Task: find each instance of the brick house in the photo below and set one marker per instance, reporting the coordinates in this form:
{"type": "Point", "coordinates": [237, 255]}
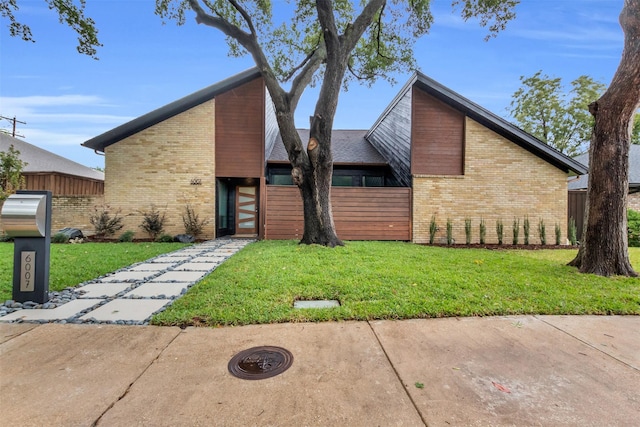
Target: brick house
{"type": "Point", "coordinates": [431, 152]}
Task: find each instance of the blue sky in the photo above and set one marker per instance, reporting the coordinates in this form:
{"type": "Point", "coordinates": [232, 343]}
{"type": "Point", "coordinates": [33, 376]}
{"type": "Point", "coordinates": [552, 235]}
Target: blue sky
{"type": "Point", "coordinates": [67, 98]}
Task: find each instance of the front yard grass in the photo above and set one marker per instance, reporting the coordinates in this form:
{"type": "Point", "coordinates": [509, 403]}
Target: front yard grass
{"type": "Point", "coordinates": [394, 280]}
{"type": "Point", "coordinates": [72, 264]}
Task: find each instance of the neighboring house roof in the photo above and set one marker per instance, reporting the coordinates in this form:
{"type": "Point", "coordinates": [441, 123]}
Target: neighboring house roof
{"type": "Point", "coordinates": [43, 161]}
{"type": "Point", "coordinates": [488, 119]}
{"type": "Point", "coordinates": [156, 116]}
{"type": "Point", "coordinates": [349, 147]}
{"type": "Point", "coordinates": [580, 183]}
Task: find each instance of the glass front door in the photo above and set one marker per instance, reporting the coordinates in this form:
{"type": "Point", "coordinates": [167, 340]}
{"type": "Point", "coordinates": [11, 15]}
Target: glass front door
{"type": "Point", "coordinates": [246, 210]}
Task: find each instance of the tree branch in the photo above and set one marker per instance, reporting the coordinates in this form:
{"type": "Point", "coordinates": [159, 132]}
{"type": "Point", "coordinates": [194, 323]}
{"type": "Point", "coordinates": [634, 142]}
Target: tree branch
{"type": "Point", "coordinates": [363, 21]}
{"type": "Point", "coordinates": [245, 16]}
{"type": "Point", "coordinates": [302, 80]}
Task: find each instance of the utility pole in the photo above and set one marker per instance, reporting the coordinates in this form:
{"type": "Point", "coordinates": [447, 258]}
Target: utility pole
{"type": "Point", "coordinates": [13, 122]}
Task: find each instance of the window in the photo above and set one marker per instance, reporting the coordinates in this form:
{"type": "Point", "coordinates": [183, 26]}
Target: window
{"type": "Point", "coordinates": [373, 181]}
{"type": "Point", "coordinates": [281, 179]}
{"type": "Point", "coordinates": [342, 181]}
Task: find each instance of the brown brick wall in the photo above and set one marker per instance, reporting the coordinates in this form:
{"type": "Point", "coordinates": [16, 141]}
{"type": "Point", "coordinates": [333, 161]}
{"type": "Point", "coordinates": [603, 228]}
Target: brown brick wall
{"type": "Point", "coordinates": [501, 181]}
{"type": "Point", "coordinates": [158, 166]}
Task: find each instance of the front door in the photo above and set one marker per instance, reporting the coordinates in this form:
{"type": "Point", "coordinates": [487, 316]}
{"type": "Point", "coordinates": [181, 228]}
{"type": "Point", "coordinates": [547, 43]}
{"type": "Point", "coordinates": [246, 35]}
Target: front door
{"type": "Point", "coordinates": [246, 210]}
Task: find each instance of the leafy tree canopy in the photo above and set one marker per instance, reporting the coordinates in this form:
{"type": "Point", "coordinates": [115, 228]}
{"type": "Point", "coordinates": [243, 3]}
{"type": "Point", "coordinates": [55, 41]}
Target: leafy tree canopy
{"type": "Point", "coordinates": [292, 37]}
{"type": "Point", "coordinates": [543, 107]}
{"type": "Point", "coordinates": [70, 12]}
{"type": "Point", "coordinates": [11, 167]}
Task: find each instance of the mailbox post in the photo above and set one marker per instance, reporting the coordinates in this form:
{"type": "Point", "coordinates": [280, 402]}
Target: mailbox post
{"type": "Point", "coordinates": [26, 216]}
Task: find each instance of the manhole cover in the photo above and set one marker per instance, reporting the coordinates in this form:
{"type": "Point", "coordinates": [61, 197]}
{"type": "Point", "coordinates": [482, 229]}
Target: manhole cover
{"type": "Point", "coordinates": [258, 363]}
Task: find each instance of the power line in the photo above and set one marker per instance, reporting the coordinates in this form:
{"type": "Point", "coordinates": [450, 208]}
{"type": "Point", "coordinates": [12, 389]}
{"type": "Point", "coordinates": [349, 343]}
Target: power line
{"type": "Point", "coordinates": [13, 122]}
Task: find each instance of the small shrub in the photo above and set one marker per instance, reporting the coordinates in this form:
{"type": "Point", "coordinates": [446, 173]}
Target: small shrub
{"type": "Point", "coordinates": [193, 225]}
{"type": "Point", "coordinates": [516, 230]}
{"type": "Point", "coordinates": [164, 238]}
{"type": "Point", "coordinates": [59, 238]}
{"type": "Point", "coordinates": [573, 232]}
{"type": "Point", "coordinates": [449, 231]}
{"type": "Point", "coordinates": [127, 236]}
{"type": "Point", "coordinates": [542, 232]}
{"type": "Point", "coordinates": [4, 237]}
{"type": "Point", "coordinates": [526, 227]}
{"type": "Point", "coordinates": [500, 231]}
{"type": "Point", "coordinates": [467, 230]}
{"type": "Point", "coordinates": [558, 235]}
{"type": "Point", "coordinates": [633, 228]}
{"type": "Point", "coordinates": [483, 231]}
{"type": "Point", "coordinates": [153, 222]}
{"type": "Point", "coordinates": [104, 223]}
{"type": "Point", "coordinates": [433, 229]}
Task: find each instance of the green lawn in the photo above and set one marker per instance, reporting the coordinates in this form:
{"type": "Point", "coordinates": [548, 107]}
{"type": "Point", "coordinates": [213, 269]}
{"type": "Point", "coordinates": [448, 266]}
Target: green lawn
{"type": "Point", "coordinates": [73, 264]}
{"type": "Point", "coordinates": [391, 280]}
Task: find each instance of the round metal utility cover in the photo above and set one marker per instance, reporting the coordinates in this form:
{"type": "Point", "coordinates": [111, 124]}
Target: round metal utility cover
{"type": "Point", "coordinates": [258, 363]}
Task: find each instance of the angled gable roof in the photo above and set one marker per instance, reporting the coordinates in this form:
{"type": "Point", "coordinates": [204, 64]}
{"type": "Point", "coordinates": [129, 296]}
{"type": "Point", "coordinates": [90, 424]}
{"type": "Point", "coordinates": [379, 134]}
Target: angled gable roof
{"type": "Point", "coordinates": [156, 116]}
{"type": "Point", "coordinates": [42, 161]}
{"type": "Point", "coordinates": [487, 119]}
{"type": "Point", "coordinates": [348, 147]}
{"type": "Point", "coordinates": [580, 183]}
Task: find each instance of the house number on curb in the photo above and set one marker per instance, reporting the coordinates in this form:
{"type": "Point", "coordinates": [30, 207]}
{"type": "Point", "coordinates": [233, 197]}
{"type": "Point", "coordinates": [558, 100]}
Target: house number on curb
{"type": "Point", "coordinates": [27, 271]}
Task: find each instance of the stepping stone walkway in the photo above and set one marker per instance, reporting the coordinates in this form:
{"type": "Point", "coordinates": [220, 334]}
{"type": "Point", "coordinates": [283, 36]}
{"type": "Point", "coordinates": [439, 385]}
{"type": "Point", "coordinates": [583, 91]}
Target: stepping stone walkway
{"type": "Point", "coordinates": [130, 296]}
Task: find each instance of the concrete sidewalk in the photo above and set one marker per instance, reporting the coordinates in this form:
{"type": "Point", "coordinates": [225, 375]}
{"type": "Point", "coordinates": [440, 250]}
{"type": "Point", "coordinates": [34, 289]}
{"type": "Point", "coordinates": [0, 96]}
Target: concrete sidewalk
{"type": "Point", "coordinates": [525, 370]}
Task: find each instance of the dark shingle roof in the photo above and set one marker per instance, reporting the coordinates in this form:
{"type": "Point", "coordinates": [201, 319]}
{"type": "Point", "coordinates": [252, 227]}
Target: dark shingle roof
{"type": "Point", "coordinates": [347, 146]}
{"type": "Point", "coordinates": [39, 160]}
{"type": "Point", "coordinates": [580, 183]}
{"type": "Point", "coordinates": [488, 119]}
{"type": "Point", "coordinates": [143, 122]}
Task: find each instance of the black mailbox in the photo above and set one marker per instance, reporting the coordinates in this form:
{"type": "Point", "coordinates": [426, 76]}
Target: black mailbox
{"type": "Point", "coordinates": [26, 216]}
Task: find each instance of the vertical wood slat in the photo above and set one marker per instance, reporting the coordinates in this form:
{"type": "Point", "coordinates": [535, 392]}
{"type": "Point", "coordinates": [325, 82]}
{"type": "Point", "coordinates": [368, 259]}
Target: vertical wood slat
{"type": "Point", "coordinates": [63, 185]}
{"type": "Point", "coordinates": [576, 209]}
{"type": "Point", "coordinates": [437, 137]}
{"type": "Point", "coordinates": [240, 131]}
{"type": "Point", "coordinates": [360, 213]}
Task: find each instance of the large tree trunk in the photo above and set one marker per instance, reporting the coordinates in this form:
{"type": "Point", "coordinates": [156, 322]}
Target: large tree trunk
{"type": "Point", "coordinates": [312, 172]}
{"type": "Point", "coordinates": [604, 247]}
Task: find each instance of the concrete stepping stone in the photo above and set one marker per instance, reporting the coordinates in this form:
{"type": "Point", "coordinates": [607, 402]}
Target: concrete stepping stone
{"type": "Point", "coordinates": [170, 258]}
{"type": "Point", "coordinates": [153, 289]}
{"type": "Point", "coordinates": [197, 266]}
{"type": "Point", "coordinates": [65, 311]}
{"type": "Point", "coordinates": [180, 276]}
{"type": "Point", "coordinates": [153, 266]}
{"type": "Point", "coordinates": [135, 310]}
{"type": "Point", "coordinates": [103, 290]}
{"type": "Point", "coordinates": [128, 276]}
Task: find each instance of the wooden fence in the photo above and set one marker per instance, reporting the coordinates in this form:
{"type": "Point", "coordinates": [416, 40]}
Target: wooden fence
{"type": "Point", "coordinates": [359, 213]}
{"type": "Point", "coordinates": [576, 209]}
{"type": "Point", "coordinates": [63, 185]}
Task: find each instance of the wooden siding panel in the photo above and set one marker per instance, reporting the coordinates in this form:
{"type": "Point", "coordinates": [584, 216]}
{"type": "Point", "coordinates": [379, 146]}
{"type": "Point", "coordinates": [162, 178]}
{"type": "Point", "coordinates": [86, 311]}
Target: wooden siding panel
{"type": "Point", "coordinates": [240, 131]}
{"type": "Point", "coordinates": [438, 137]}
{"type": "Point", "coordinates": [63, 185]}
{"type": "Point", "coordinates": [392, 138]}
{"type": "Point", "coordinates": [359, 213]}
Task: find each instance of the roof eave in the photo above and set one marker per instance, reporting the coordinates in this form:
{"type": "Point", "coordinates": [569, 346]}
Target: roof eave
{"type": "Point", "coordinates": [100, 142]}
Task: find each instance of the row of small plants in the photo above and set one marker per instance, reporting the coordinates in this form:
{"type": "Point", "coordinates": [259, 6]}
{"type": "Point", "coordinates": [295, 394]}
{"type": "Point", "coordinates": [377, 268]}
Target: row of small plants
{"type": "Point", "coordinates": [499, 228]}
{"type": "Point", "coordinates": [107, 223]}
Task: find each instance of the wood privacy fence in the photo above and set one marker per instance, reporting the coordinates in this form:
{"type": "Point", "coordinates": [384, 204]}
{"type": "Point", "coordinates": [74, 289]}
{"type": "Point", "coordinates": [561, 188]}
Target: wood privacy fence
{"type": "Point", "coordinates": [359, 213]}
{"type": "Point", "coordinates": [63, 185]}
{"type": "Point", "coordinates": [577, 207]}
